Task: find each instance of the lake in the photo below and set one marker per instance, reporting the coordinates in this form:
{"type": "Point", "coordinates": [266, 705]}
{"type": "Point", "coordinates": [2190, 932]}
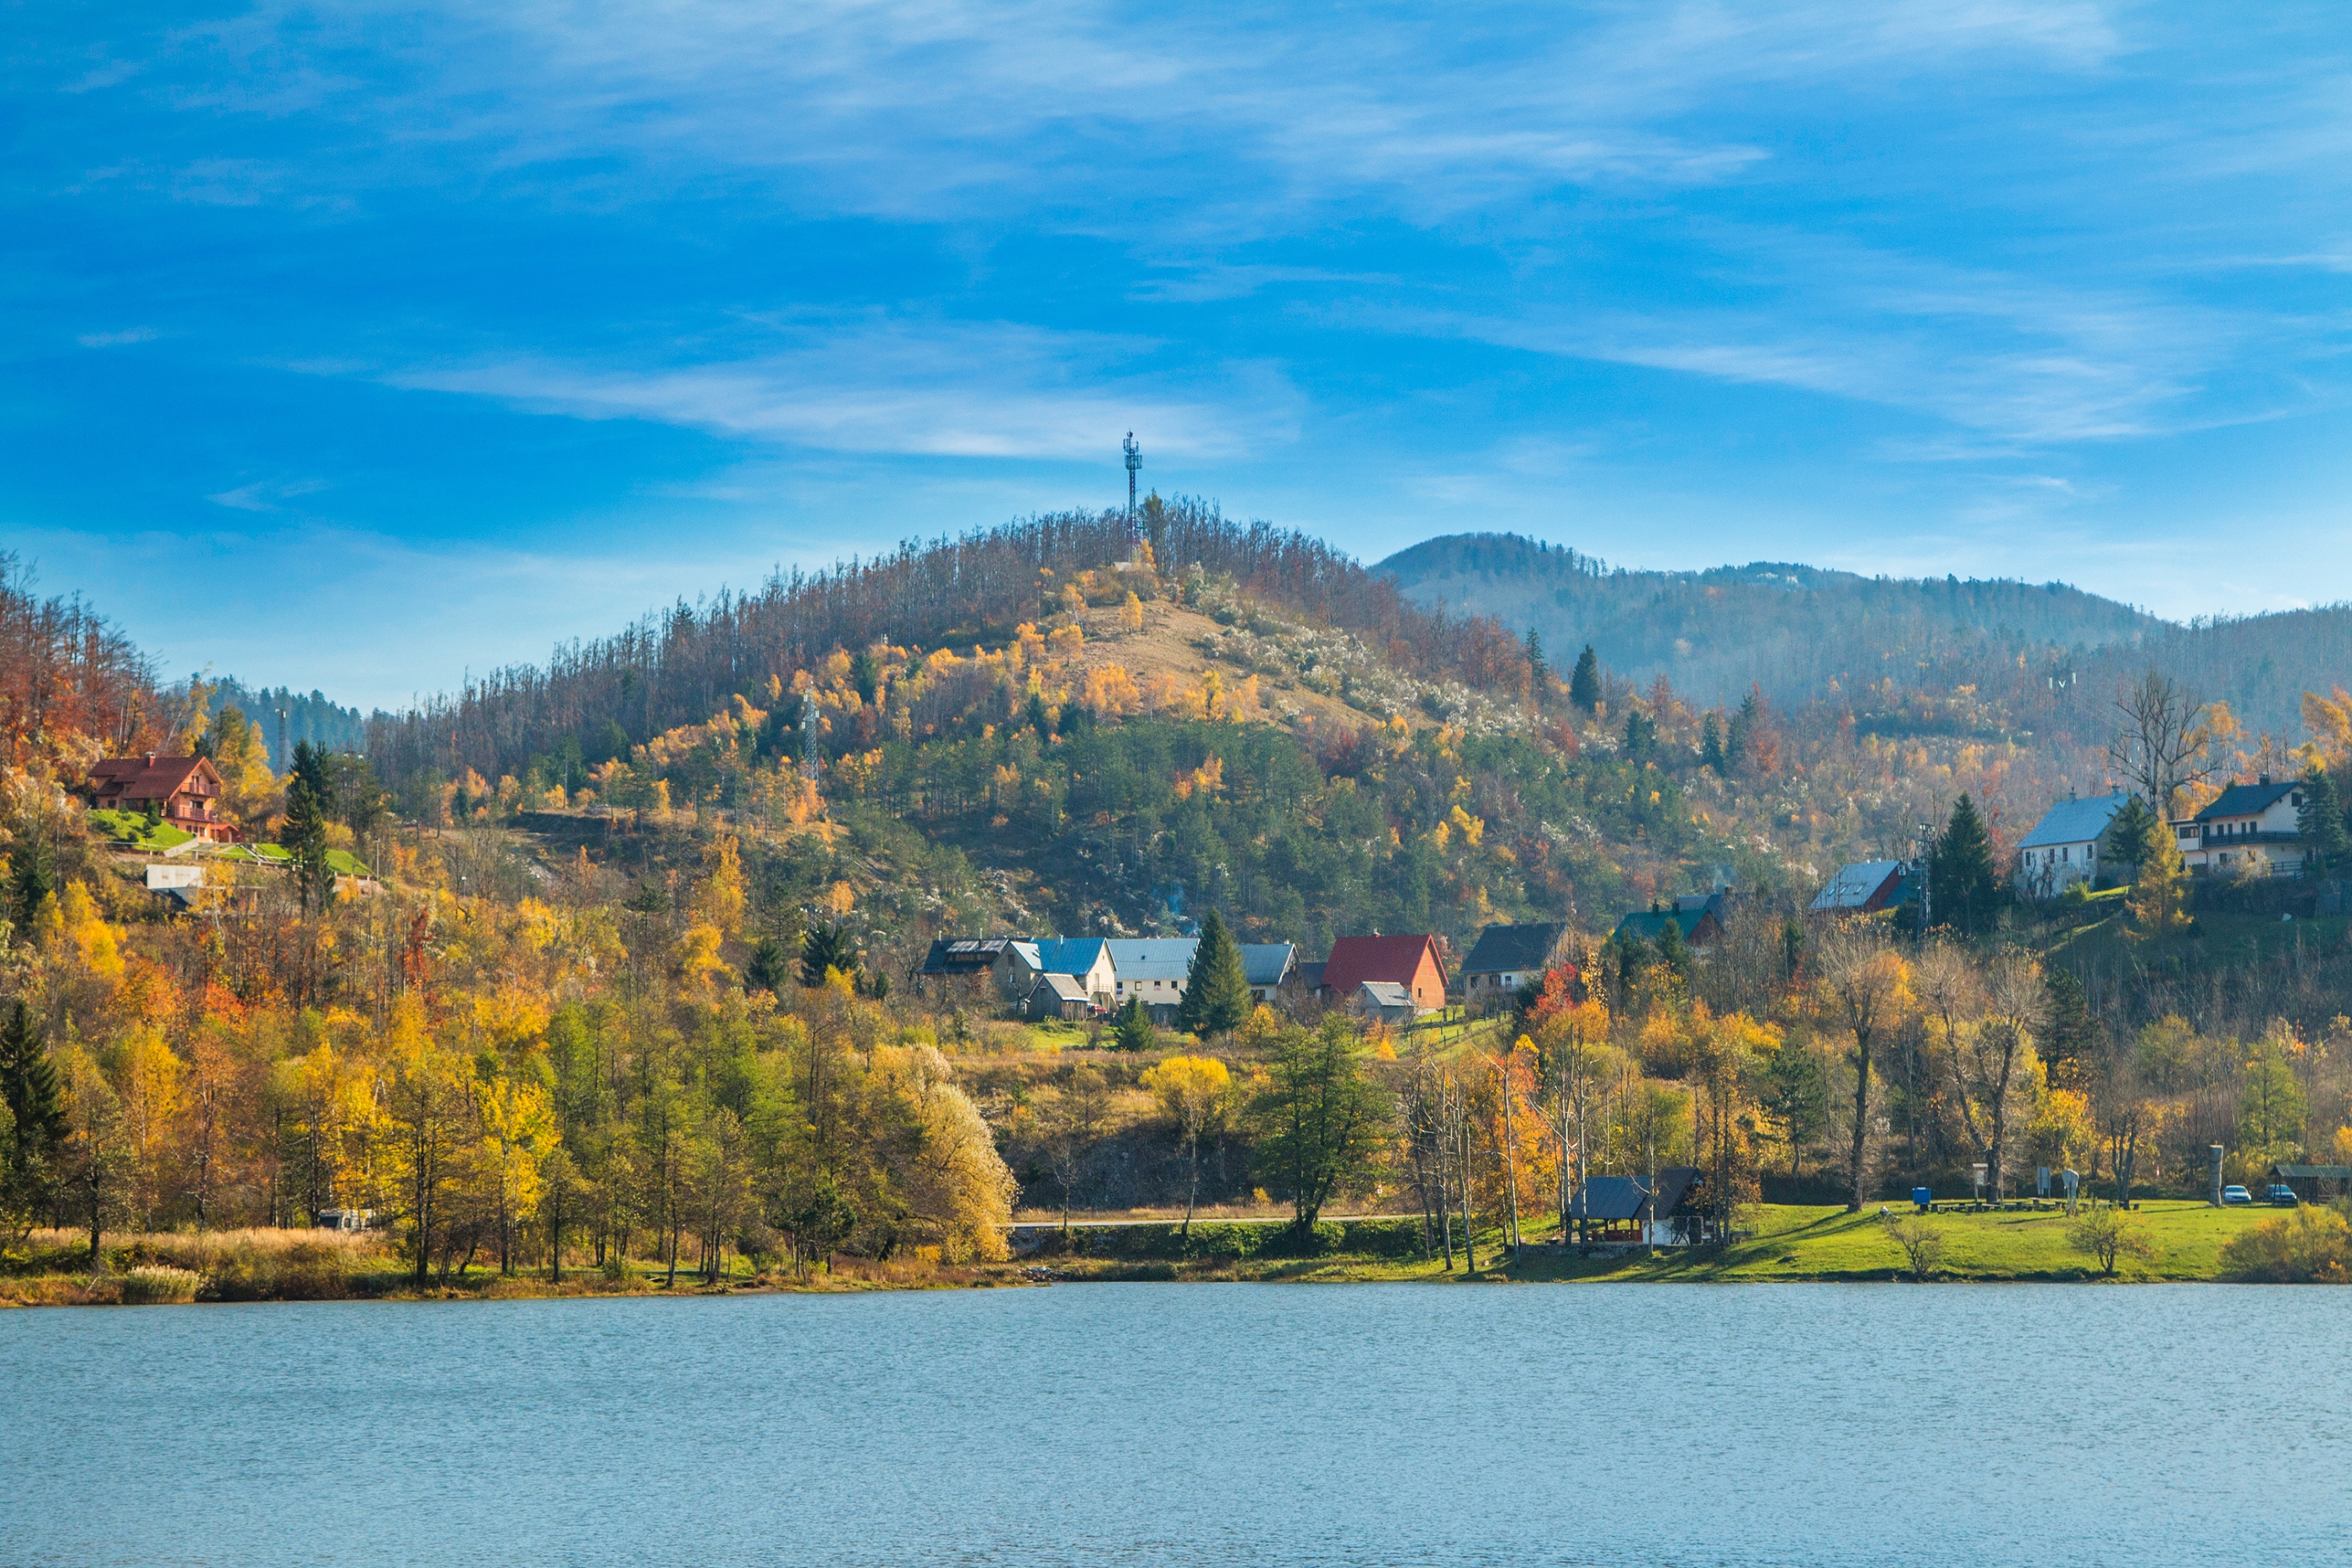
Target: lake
{"type": "Point", "coordinates": [1192, 1424]}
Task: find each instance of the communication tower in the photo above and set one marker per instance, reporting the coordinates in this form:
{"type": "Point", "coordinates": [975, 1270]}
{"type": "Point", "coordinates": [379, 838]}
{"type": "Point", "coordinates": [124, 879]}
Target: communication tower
{"type": "Point", "coordinates": [808, 735]}
{"type": "Point", "coordinates": [1134, 464]}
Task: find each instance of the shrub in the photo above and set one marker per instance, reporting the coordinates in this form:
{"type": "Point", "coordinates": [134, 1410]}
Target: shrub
{"type": "Point", "coordinates": [2107, 1233]}
{"type": "Point", "coordinates": [154, 1284]}
{"type": "Point", "coordinates": [2311, 1247]}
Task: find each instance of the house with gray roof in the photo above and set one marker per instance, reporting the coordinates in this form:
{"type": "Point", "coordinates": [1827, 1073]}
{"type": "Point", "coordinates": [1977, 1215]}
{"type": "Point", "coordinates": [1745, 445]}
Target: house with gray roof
{"type": "Point", "coordinates": [1268, 966]}
{"type": "Point", "coordinates": [2265, 818]}
{"type": "Point", "coordinates": [1154, 968]}
{"type": "Point", "coordinates": [2069, 844]}
{"type": "Point", "coordinates": [1864, 887]}
{"type": "Point", "coordinates": [1508, 957]}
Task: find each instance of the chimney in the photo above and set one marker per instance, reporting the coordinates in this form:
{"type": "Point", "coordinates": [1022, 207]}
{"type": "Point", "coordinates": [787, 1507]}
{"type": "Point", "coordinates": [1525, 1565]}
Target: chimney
{"type": "Point", "coordinates": [151, 759]}
{"type": "Point", "coordinates": [2262, 778]}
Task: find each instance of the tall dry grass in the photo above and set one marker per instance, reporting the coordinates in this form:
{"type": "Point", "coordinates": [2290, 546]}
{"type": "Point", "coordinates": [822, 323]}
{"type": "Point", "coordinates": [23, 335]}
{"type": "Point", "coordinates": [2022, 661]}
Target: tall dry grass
{"type": "Point", "coordinates": [251, 1265]}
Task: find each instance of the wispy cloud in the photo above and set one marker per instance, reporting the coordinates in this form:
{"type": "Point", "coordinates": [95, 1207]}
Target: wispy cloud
{"type": "Point", "coordinates": [954, 390]}
{"type": "Point", "coordinates": [117, 339]}
{"type": "Point", "coordinates": [268, 495]}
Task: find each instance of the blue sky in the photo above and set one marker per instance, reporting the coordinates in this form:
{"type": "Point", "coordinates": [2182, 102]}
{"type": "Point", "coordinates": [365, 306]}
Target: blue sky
{"type": "Point", "coordinates": [359, 348]}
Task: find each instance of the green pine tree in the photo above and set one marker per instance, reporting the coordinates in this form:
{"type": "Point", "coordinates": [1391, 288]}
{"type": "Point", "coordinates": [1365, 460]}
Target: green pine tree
{"type": "Point", "coordinates": [1216, 992]}
{"type": "Point", "coordinates": [36, 1127]}
{"type": "Point", "coordinates": [2131, 837]}
{"type": "Point", "coordinates": [309, 799]}
{"type": "Point", "coordinates": [1710, 743]}
{"type": "Point", "coordinates": [1584, 682]}
{"type": "Point", "coordinates": [1536, 668]}
{"type": "Point", "coordinates": [2327, 844]}
{"type": "Point", "coordinates": [768, 967]}
{"type": "Point", "coordinates": [826, 947]}
{"type": "Point", "coordinates": [1965, 883]}
{"type": "Point", "coordinates": [1130, 1029]}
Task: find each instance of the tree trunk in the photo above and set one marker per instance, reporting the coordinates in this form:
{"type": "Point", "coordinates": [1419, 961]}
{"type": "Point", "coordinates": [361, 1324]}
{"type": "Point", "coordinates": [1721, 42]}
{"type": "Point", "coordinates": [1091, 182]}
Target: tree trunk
{"type": "Point", "coordinates": [1192, 1192]}
{"type": "Point", "coordinates": [1469, 1237]}
{"type": "Point", "coordinates": [1861, 1121]}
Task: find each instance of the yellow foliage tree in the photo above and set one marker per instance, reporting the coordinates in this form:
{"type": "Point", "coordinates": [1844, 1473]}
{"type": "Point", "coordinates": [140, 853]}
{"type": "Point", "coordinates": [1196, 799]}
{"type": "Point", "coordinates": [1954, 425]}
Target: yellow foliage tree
{"type": "Point", "coordinates": [720, 901]}
{"type": "Point", "coordinates": [2155, 901]}
{"type": "Point", "coordinates": [1197, 1093]}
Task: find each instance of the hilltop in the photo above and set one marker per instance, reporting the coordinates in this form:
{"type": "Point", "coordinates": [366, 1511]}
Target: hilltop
{"type": "Point", "coordinates": [2050, 654]}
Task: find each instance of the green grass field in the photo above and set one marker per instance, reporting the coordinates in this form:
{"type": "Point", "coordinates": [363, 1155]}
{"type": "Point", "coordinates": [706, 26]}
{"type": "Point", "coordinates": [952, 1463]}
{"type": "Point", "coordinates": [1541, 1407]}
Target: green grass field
{"type": "Point", "coordinates": [1790, 1243]}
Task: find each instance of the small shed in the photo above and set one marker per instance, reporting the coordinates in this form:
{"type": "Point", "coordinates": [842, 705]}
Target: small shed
{"type": "Point", "coordinates": [1386, 1002]}
{"type": "Point", "coordinates": [1619, 1208]}
{"type": "Point", "coordinates": [2314, 1184]}
{"type": "Point", "coordinates": [1057, 997]}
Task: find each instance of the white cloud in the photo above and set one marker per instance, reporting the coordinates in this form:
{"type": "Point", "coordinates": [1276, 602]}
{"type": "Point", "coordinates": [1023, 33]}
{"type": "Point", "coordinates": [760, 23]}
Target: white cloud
{"type": "Point", "coordinates": [117, 339]}
{"type": "Point", "coordinates": [268, 495]}
{"type": "Point", "coordinates": [956, 390]}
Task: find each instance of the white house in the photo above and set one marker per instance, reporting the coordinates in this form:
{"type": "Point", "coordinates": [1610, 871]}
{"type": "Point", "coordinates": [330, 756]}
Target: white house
{"type": "Point", "coordinates": [1154, 968]}
{"type": "Point", "coordinates": [2064, 846]}
{"type": "Point", "coordinates": [1086, 960]}
{"type": "Point", "coordinates": [2264, 816]}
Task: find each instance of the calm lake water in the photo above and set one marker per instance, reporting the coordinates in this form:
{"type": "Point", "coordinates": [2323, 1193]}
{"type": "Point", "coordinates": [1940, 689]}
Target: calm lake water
{"type": "Point", "coordinates": [1195, 1424]}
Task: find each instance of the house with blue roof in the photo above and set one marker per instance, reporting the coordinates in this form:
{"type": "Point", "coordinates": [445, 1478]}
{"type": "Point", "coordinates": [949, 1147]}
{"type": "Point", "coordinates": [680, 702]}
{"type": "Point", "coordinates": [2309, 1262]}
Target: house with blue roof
{"type": "Point", "coordinates": [1087, 961]}
{"type": "Point", "coordinates": [2067, 845]}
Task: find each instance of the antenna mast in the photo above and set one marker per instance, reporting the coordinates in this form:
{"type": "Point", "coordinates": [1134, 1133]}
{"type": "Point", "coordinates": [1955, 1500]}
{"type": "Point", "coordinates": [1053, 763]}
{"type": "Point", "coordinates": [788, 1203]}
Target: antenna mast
{"type": "Point", "coordinates": [808, 735]}
{"type": "Point", "coordinates": [1134, 462]}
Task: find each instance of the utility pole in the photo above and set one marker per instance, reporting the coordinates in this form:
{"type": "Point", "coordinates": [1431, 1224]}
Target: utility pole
{"type": "Point", "coordinates": [1926, 887]}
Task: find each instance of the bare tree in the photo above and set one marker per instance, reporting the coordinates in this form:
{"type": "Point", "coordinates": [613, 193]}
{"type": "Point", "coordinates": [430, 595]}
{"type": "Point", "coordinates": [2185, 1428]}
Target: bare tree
{"type": "Point", "coordinates": [1866, 989]}
{"type": "Point", "coordinates": [1990, 1054]}
{"type": "Point", "coordinates": [2161, 738]}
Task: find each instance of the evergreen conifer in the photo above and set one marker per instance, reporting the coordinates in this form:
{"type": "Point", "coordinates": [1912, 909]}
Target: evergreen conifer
{"type": "Point", "coordinates": [2327, 843]}
{"type": "Point", "coordinates": [2131, 837]}
{"type": "Point", "coordinates": [1131, 1028]}
{"type": "Point", "coordinates": [28, 1084]}
{"type": "Point", "coordinates": [1710, 743]}
{"type": "Point", "coordinates": [1536, 668]}
{"type": "Point", "coordinates": [1964, 881]}
{"type": "Point", "coordinates": [1216, 992]}
{"type": "Point", "coordinates": [309, 794]}
{"type": "Point", "coordinates": [1584, 682]}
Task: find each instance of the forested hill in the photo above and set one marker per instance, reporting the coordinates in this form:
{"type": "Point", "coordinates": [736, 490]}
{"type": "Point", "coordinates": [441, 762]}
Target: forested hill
{"type": "Point", "coordinates": [1791, 628]}
{"type": "Point", "coordinates": [682, 666]}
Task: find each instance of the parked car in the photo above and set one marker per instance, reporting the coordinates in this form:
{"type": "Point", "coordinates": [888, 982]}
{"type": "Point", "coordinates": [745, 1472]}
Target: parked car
{"type": "Point", "coordinates": [2232, 1196]}
{"type": "Point", "coordinates": [2280, 1196]}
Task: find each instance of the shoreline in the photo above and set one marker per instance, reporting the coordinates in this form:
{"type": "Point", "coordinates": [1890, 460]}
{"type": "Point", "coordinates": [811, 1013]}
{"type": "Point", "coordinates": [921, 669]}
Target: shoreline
{"type": "Point", "coordinates": [1787, 1245]}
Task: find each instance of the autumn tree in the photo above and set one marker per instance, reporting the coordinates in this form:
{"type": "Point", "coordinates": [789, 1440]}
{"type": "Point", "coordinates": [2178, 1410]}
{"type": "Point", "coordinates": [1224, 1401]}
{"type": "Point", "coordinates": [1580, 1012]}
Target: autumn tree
{"type": "Point", "coordinates": [2162, 736]}
{"type": "Point", "coordinates": [2156, 900]}
{"type": "Point", "coordinates": [1865, 987]}
{"type": "Point", "coordinates": [1195, 1093]}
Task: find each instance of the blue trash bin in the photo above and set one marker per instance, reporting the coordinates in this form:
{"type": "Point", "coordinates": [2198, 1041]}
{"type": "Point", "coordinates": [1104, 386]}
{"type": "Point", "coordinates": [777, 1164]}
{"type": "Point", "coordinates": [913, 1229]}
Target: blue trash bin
{"type": "Point", "coordinates": [1923, 1197]}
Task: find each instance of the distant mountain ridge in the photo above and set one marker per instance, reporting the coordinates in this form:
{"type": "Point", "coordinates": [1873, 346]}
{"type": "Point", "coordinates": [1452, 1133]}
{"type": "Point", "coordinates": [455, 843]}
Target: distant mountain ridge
{"type": "Point", "coordinates": [1791, 628]}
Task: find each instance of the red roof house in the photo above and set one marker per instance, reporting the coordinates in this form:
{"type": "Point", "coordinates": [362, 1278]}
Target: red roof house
{"type": "Point", "coordinates": [183, 791]}
{"type": "Point", "coordinates": [1408, 960]}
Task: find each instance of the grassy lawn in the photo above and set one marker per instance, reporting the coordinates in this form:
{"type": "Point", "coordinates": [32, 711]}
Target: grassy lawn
{"type": "Point", "coordinates": [132, 828]}
{"type": "Point", "coordinates": [1790, 1243]}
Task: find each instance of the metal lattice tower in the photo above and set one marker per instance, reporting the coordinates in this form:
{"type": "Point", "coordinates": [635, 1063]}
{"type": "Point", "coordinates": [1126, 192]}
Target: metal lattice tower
{"type": "Point", "coordinates": [808, 736]}
{"type": "Point", "coordinates": [1134, 463]}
